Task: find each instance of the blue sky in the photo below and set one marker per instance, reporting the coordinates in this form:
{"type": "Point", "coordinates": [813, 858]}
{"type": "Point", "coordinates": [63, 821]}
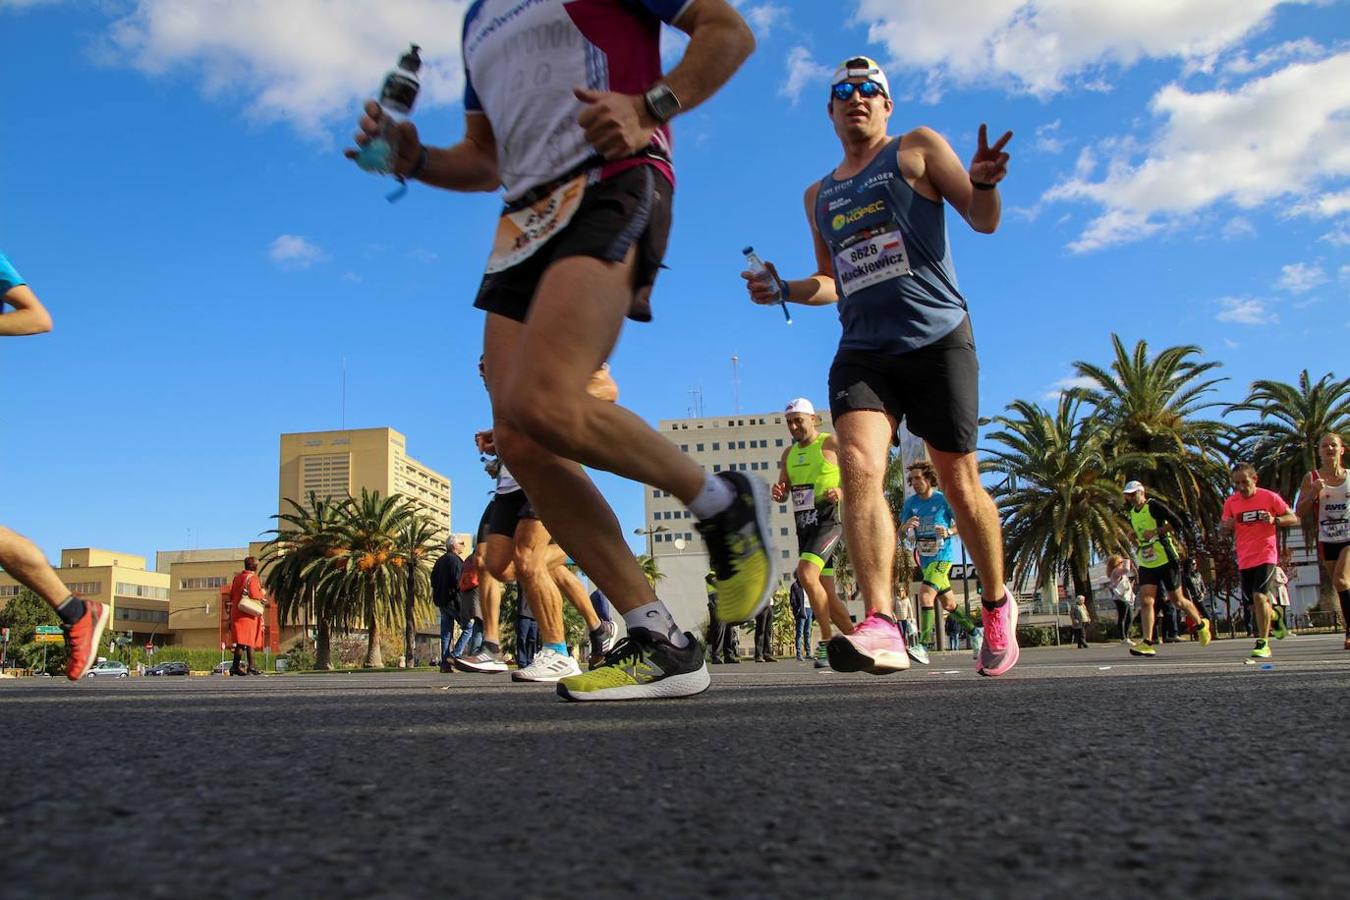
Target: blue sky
{"type": "Point", "coordinates": [172, 185]}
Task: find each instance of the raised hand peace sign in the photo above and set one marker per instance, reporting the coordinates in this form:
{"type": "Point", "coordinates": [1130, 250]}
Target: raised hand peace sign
{"type": "Point", "coordinates": [990, 164]}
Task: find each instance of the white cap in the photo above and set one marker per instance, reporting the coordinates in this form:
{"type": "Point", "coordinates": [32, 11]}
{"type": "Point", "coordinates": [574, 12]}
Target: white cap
{"type": "Point", "coordinates": [1132, 487]}
{"type": "Point", "coordinates": [801, 405]}
{"type": "Point", "coordinates": [863, 67]}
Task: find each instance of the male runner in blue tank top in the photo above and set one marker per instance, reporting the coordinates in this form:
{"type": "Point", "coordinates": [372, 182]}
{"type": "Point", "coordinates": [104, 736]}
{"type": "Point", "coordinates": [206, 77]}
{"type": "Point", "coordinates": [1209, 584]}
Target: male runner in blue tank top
{"type": "Point", "coordinates": [907, 351]}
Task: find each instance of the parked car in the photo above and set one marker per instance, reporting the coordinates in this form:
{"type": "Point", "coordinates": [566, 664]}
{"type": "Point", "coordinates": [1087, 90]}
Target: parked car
{"type": "Point", "coordinates": [173, 667]}
{"type": "Point", "coordinates": [222, 667]}
{"type": "Point", "coordinates": [108, 669]}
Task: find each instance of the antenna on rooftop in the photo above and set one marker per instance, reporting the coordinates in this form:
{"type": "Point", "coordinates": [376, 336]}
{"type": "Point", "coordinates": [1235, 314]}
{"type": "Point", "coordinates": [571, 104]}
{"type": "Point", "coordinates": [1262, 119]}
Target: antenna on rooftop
{"type": "Point", "coordinates": [696, 402]}
{"type": "Point", "coordinates": [736, 381]}
{"type": "Point", "coordinates": [344, 393]}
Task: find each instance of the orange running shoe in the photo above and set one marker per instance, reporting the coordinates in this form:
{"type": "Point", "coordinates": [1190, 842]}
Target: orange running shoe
{"type": "Point", "coordinates": [82, 639]}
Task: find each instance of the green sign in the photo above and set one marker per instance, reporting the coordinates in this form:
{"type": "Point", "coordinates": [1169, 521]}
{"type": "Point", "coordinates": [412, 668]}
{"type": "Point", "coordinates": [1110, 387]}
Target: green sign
{"type": "Point", "coordinates": [47, 629]}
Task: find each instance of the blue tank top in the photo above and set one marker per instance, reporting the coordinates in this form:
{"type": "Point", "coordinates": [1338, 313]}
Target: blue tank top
{"type": "Point", "coordinates": [892, 262]}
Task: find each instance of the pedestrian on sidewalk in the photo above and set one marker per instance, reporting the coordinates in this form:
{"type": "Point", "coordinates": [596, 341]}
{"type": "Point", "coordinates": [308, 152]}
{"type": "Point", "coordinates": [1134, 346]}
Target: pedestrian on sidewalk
{"type": "Point", "coordinates": [1078, 618]}
{"type": "Point", "coordinates": [764, 634]}
{"type": "Point", "coordinates": [802, 619]}
{"type": "Point", "coordinates": [1120, 579]}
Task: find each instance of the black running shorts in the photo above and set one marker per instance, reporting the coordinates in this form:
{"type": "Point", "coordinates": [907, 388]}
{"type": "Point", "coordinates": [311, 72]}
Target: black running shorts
{"type": "Point", "coordinates": [1167, 577]}
{"type": "Point", "coordinates": [627, 209]}
{"type": "Point", "coordinates": [507, 511]}
{"type": "Point", "coordinates": [483, 523]}
{"type": "Point", "coordinates": [1332, 552]}
{"type": "Point", "coordinates": [935, 389]}
{"type": "Point", "coordinates": [1257, 580]}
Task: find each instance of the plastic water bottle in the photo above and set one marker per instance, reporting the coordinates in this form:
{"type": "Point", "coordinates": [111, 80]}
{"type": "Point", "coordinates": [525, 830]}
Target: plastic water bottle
{"type": "Point", "coordinates": [909, 542]}
{"type": "Point", "coordinates": [396, 102]}
{"type": "Point", "coordinates": [757, 267]}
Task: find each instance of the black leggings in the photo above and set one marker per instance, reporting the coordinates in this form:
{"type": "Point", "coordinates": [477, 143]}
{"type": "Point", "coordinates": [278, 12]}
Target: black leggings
{"type": "Point", "coordinates": [1124, 616]}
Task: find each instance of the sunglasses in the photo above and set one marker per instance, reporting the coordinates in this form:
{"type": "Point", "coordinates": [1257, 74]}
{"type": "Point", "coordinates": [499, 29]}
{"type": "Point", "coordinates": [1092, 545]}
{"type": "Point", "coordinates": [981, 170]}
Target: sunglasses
{"type": "Point", "coordinates": [868, 89]}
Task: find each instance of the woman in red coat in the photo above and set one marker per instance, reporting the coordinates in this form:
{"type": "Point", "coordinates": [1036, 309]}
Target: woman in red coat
{"type": "Point", "coordinates": [246, 631]}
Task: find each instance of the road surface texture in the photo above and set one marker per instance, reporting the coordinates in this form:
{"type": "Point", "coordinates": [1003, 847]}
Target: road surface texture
{"type": "Point", "coordinates": [1191, 775]}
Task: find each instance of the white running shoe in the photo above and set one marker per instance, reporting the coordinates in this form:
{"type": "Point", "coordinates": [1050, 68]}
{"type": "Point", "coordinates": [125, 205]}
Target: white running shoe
{"type": "Point", "coordinates": [548, 666]}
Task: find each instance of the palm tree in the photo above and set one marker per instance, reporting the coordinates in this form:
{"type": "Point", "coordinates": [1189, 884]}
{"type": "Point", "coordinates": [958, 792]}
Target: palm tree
{"type": "Point", "coordinates": [1291, 419]}
{"type": "Point", "coordinates": [294, 562]}
{"type": "Point", "coordinates": [1149, 411]}
{"type": "Point", "coordinates": [419, 542]}
{"type": "Point", "coordinates": [1059, 499]}
{"type": "Point", "coordinates": [651, 569]}
{"type": "Point", "coordinates": [363, 574]}
{"type": "Point", "coordinates": [1282, 442]}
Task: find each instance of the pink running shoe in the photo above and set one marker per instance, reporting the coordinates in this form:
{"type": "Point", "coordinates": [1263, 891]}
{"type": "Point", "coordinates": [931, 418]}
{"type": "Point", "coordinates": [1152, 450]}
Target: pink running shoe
{"type": "Point", "coordinates": [875, 646]}
{"type": "Point", "coordinates": [999, 652]}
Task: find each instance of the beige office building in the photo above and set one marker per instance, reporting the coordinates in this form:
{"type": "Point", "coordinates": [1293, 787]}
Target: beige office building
{"type": "Point", "coordinates": [138, 599]}
{"type": "Point", "coordinates": [751, 443]}
{"type": "Point", "coordinates": [338, 463]}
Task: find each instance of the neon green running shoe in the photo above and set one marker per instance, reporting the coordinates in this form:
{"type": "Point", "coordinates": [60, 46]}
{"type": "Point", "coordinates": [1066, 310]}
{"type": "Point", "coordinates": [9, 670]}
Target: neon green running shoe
{"type": "Point", "coordinates": [1261, 650]}
{"type": "Point", "coordinates": [740, 550]}
{"type": "Point", "coordinates": [1203, 633]}
{"type": "Point", "coordinates": [1278, 630]}
{"type": "Point", "coordinates": [643, 666]}
{"type": "Point", "coordinates": [1143, 648]}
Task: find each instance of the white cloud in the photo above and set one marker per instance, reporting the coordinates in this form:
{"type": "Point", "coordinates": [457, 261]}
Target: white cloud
{"type": "Point", "coordinates": [293, 251]}
{"type": "Point", "coordinates": [1299, 278]}
{"type": "Point", "coordinates": [803, 70]}
{"type": "Point", "coordinates": [1245, 311]}
{"type": "Point", "coordinates": [24, 4]}
{"type": "Point", "coordinates": [1048, 139]}
{"type": "Point", "coordinates": [1040, 46]}
{"type": "Point", "coordinates": [1066, 384]}
{"type": "Point", "coordinates": [1236, 228]}
{"type": "Point", "coordinates": [1285, 134]}
{"type": "Point", "coordinates": [1323, 206]}
{"type": "Point", "coordinates": [1231, 344]}
{"type": "Point", "coordinates": [307, 62]}
{"type": "Point", "coordinates": [763, 17]}
{"type": "Point", "coordinates": [673, 42]}
{"type": "Point", "coordinates": [1344, 273]}
{"type": "Point", "coordinates": [1242, 64]}
{"type": "Point", "coordinates": [1338, 237]}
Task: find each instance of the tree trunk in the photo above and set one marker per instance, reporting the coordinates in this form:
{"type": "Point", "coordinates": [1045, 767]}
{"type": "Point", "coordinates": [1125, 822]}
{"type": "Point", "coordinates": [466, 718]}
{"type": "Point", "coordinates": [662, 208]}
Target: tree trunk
{"type": "Point", "coordinates": [374, 657]}
{"type": "Point", "coordinates": [408, 636]}
{"type": "Point", "coordinates": [323, 645]}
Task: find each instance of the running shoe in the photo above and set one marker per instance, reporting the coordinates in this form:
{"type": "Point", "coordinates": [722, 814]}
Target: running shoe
{"type": "Point", "coordinates": [1204, 633]}
{"type": "Point", "coordinates": [548, 666]}
{"type": "Point", "coordinates": [603, 640]}
{"type": "Point", "coordinates": [1261, 650]}
{"type": "Point", "coordinates": [1143, 648]}
{"type": "Point", "coordinates": [999, 652]}
{"type": "Point", "coordinates": [822, 660]}
{"type": "Point", "coordinates": [919, 653]}
{"type": "Point", "coordinates": [82, 639]}
{"type": "Point", "coordinates": [1347, 642]}
{"type": "Point", "coordinates": [644, 666]}
{"type": "Point", "coordinates": [875, 646]}
{"type": "Point", "coordinates": [740, 550]}
{"type": "Point", "coordinates": [483, 661]}
{"type": "Point", "coordinates": [1278, 630]}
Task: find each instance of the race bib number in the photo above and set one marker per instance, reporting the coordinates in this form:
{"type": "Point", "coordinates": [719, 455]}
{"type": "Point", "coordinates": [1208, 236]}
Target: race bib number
{"type": "Point", "coordinates": [521, 232]}
{"type": "Point", "coordinates": [928, 546]}
{"type": "Point", "coordinates": [1150, 553]}
{"type": "Point", "coordinates": [803, 498]}
{"type": "Point", "coordinates": [871, 260]}
{"type": "Point", "coordinates": [1335, 531]}
{"type": "Point", "coordinates": [1251, 515]}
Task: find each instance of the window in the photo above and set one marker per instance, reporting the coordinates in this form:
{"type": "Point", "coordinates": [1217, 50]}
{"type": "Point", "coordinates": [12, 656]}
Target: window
{"type": "Point", "coordinates": [86, 588]}
{"type": "Point", "coordinates": [717, 467]}
{"type": "Point", "coordinates": [778, 443]}
{"type": "Point", "coordinates": [782, 507]}
{"type": "Point", "coordinates": [783, 532]}
{"type": "Point", "coordinates": [656, 493]}
{"type": "Point", "coordinates": [698, 447]}
{"type": "Point", "coordinates": [199, 584]}
{"type": "Point", "coordinates": [785, 554]}
{"type": "Point", "coordinates": [684, 448]}
{"type": "Point", "coordinates": [9, 590]}
{"type": "Point", "coordinates": [126, 589]}
{"type": "Point", "coordinates": [717, 445]}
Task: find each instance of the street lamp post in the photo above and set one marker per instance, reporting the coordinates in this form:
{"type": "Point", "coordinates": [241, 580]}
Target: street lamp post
{"type": "Point", "coordinates": [655, 529]}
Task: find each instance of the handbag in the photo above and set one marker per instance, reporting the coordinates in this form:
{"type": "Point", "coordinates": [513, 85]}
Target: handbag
{"type": "Point", "coordinates": [249, 606]}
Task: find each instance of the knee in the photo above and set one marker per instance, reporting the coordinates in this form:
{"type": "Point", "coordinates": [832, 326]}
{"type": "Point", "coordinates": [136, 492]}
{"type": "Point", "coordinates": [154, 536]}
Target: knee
{"type": "Point", "coordinates": [544, 413]}
{"type": "Point", "coordinates": [861, 468]}
{"type": "Point", "coordinates": [499, 564]}
{"type": "Point", "coordinates": [808, 575]}
{"type": "Point", "coordinates": [530, 563]}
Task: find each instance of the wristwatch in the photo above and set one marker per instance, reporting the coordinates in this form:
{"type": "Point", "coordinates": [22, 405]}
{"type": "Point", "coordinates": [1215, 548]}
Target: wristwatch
{"type": "Point", "coordinates": [662, 103]}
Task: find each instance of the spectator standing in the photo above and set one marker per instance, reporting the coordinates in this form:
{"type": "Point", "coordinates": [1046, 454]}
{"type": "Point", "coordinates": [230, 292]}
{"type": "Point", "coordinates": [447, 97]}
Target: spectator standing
{"type": "Point", "coordinates": [1078, 618]}
{"type": "Point", "coordinates": [1119, 575]}
{"type": "Point", "coordinates": [802, 618]}
{"type": "Point", "coordinates": [246, 628]}
{"type": "Point", "coordinates": [527, 632]}
{"type": "Point", "coordinates": [764, 633]}
{"type": "Point", "coordinates": [469, 618]}
{"type": "Point", "coordinates": [445, 575]}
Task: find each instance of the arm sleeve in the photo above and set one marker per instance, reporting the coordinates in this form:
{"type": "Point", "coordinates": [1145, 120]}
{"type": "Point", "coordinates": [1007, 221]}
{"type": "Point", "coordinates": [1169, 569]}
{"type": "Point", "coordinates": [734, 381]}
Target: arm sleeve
{"type": "Point", "coordinates": [1161, 514]}
{"type": "Point", "coordinates": [668, 11]}
{"type": "Point", "coordinates": [471, 102]}
{"type": "Point", "coordinates": [9, 276]}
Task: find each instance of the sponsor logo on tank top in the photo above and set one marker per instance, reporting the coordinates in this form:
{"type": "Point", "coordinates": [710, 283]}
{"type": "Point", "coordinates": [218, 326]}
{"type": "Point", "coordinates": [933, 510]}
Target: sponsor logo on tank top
{"type": "Point", "coordinates": [842, 220]}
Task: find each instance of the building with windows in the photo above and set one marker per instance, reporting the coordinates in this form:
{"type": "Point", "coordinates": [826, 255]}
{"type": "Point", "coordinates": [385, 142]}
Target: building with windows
{"type": "Point", "coordinates": [337, 463]}
{"type": "Point", "coordinates": [138, 599]}
{"type": "Point", "coordinates": [751, 443]}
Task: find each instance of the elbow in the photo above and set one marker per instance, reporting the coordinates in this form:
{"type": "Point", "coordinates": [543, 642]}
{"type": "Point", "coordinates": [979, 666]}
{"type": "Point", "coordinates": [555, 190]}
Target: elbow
{"type": "Point", "coordinates": [985, 227]}
{"type": "Point", "coordinates": [42, 323]}
{"type": "Point", "coordinates": [745, 38]}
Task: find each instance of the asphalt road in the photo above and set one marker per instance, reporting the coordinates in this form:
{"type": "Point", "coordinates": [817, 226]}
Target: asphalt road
{"type": "Point", "coordinates": [1192, 775]}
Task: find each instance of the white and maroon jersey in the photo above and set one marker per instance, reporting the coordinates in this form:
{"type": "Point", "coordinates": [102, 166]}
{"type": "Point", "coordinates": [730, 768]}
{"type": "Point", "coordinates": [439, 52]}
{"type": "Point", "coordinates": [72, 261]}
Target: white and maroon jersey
{"type": "Point", "coordinates": [1333, 512]}
{"type": "Point", "coordinates": [522, 59]}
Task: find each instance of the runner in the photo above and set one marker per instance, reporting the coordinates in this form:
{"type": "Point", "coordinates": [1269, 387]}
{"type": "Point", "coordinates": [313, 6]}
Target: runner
{"type": "Point", "coordinates": [1155, 527]}
{"type": "Point", "coordinates": [808, 473]}
{"type": "Point", "coordinates": [1251, 515]}
{"type": "Point", "coordinates": [488, 658]}
{"type": "Point", "coordinates": [1326, 491]}
{"type": "Point", "coordinates": [928, 516]}
{"type": "Point", "coordinates": [584, 157]}
{"type": "Point", "coordinates": [907, 350]}
{"type": "Point", "coordinates": [82, 621]}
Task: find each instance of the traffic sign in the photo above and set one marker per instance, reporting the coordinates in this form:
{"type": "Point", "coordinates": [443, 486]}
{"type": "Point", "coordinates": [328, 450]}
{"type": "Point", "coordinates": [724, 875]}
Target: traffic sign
{"type": "Point", "coordinates": [48, 629]}
{"type": "Point", "coordinates": [49, 638]}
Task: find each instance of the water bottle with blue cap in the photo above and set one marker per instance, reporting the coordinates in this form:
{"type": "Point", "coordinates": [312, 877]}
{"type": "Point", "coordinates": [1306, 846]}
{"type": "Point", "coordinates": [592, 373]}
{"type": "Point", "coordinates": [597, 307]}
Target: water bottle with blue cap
{"type": "Point", "coordinates": [397, 97]}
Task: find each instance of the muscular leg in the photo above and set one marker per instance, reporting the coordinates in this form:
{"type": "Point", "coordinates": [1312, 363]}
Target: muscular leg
{"type": "Point", "coordinates": [976, 515]}
{"type": "Point", "coordinates": [838, 610]}
{"type": "Point", "coordinates": [499, 557]}
{"type": "Point", "coordinates": [808, 573]}
{"type": "Point", "coordinates": [927, 612]}
{"type": "Point", "coordinates": [547, 425]}
{"type": "Point", "coordinates": [1184, 604]}
{"type": "Point", "coordinates": [864, 442]}
{"type": "Point", "coordinates": [490, 601]}
{"type": "Point", "coordinates": [575, 592]}
{"type": "Point", "coordinates": [1340, 582]}
{"type": "Point", "coordinates": [536, 579]}
{"type": "Point", "coordinates": [1147, 595]}
{"type": "Point", "coordinates": [1262, 613]}
{"type": "Point", "coordinates": [21, 558]}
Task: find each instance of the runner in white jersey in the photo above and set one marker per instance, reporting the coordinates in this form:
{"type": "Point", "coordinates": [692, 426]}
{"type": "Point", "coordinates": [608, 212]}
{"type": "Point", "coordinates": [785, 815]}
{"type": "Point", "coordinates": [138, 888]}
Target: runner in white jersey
{"type": "Point", "coordinates": [1326, 490]}
{"type": "Point", "coordinates": [568, 111]}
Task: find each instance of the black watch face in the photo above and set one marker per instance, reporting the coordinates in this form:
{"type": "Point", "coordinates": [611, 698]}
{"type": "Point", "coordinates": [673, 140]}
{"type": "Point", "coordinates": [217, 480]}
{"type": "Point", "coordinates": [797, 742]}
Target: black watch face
{"type": "Point", "coordinates": [663, 103]}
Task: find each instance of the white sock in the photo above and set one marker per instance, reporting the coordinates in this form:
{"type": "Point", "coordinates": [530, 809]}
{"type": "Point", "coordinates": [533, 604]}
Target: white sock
{"type": "Point", "coordinates": [656, 618]}
{"type": "Point", "coordinates": [715, 497]}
